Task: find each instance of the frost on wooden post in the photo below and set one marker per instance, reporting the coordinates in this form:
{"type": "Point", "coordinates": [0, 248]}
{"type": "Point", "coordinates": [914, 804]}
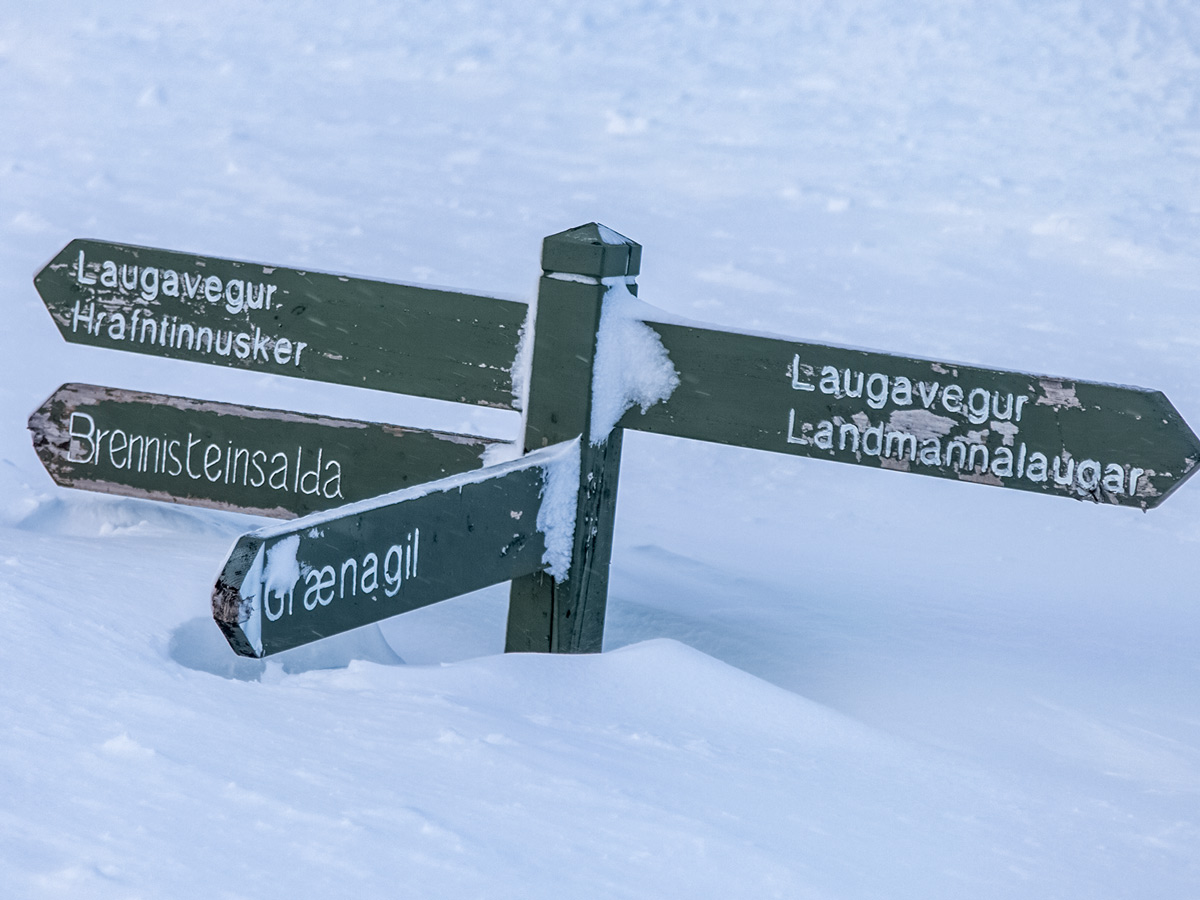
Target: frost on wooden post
{"type": "Point", "coordinates": [523, 361]}
{"type": "Point", "coordinates": [522, 368]}
{"type": "Point", "coordinates": [609, 236]}
{"type": "Point", "coordinates": [632, 368]}
{"type": "Point", "coordinates": [557, 513]}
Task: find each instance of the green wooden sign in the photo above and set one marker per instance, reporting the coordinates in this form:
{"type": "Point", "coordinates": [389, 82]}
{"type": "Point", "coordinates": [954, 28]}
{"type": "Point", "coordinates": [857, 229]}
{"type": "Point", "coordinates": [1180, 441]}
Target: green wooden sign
{"type": "Point", "coordinates": [373, 334]}
{"type": "Point", "coordinates": [1080, 439]}
{"type": "Point", "coordinates": [326, 573]}
{"type": "Point", "coordinates": [241, 458]}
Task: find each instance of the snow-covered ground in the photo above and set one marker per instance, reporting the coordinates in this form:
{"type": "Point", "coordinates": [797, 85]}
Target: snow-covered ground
{"type": "Point", "coordinates": [819, 680]}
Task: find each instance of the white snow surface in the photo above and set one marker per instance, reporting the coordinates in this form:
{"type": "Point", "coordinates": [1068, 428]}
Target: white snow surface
{"type": "Point", "coordinates": [820, 681]}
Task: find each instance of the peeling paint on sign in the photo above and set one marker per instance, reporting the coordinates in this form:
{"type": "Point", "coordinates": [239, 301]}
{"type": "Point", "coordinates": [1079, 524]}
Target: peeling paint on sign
{"type": "Point", "coordinates": [1088, 441]}
{"type": "Point", "coordinates": [1058, 394]}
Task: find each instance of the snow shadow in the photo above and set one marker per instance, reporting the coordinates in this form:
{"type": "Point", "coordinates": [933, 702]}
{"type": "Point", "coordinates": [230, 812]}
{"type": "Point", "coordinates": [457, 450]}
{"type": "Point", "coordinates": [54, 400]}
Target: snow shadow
{"type": "Point", "coordinates": [198, 644]}
{"type": "Point", "coordinates": [89, 516]}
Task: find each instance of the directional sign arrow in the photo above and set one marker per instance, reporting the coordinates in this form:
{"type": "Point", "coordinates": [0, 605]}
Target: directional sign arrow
{"type": "Point", "coordinates": [1081, 439]}
{"type": "Point", "coordinates": [313, 577]}
{"type": "Point", "coordinates": [240, 458]}
{"type": "Point", "coordinates": [374, 334]}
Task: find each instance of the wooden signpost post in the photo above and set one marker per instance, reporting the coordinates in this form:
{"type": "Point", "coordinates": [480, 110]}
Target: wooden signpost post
{"type": "Point", "coordinates": [566, 615]}
{"type": "Point", "coordinates": [543, 522]}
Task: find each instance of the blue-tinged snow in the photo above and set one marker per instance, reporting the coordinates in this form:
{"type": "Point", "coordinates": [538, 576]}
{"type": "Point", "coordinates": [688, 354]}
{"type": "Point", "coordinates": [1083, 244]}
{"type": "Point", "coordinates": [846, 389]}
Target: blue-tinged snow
{"type": "Point", "coordinates": [819, 681]}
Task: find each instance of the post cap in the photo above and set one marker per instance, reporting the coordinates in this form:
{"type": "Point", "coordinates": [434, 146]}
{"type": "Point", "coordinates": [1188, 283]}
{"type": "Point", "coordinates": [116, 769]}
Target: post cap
{"type": "Point", "coordinates": [591, 250]}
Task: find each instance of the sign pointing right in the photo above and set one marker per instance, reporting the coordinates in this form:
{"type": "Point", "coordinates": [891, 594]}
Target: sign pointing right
{"type": "Point", "coordinates": [1081, 439]}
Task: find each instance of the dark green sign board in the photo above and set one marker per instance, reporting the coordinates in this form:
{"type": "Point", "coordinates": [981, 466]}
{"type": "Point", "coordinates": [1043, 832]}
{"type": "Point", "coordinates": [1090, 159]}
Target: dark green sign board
{"type": "Point", "coordinates": [240, 458]}
{"type": "Point", "coordinates": [374, 334]}
{"type": "Point", "coordinates": [326, 573]}
{"type": "Point", "coordinates": [1081, 439]}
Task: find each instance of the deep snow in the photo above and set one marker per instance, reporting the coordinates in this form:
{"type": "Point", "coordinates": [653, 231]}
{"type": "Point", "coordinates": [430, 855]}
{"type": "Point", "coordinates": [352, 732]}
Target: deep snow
{"type": "Point", "coordinates": [820, 680]}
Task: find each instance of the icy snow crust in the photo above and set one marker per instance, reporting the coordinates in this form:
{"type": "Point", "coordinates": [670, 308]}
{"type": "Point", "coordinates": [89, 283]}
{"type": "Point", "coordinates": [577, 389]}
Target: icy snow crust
{"type": "Point", "coordinates": [820, 681]}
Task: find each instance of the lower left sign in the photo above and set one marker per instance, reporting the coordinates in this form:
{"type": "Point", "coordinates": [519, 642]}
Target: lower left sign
{"type": "Point", "coordinates": [300, 581]}
{"type": "Point", "coordinates": [241, 458]}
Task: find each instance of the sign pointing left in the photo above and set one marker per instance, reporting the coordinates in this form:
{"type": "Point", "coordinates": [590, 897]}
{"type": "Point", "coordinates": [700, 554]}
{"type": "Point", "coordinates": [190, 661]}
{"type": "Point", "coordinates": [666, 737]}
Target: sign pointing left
{"type": "Point", "coordinates": [267, 462]}
{"type": "Point", "coordinates": [326, 573]}
{"type": "Point", "coordinates": [374, 334]}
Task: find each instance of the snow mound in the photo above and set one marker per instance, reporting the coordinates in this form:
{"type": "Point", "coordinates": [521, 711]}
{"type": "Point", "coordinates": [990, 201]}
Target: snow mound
{"type": "Point", "coordinates": [198, 644]}
{"type": "Point", "coordinates": [99, 516]}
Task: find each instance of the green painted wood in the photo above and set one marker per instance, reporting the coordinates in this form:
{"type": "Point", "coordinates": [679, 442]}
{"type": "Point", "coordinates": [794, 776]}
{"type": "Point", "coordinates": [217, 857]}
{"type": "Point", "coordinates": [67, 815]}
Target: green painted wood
{"type": "Point", "coordinates": [593, 251]}
{"type": "Point", "coordinates": [564, 347]}
{"type": "Point", "coordinates": [241, 458]}
{"type": "Point", "coordinates": [1089, 441]}
{"type": "Point", "coordinates": [567, 615]}
{"type": "Point", "coordinates": [280, 321]}
{"type": "Point", "coordinates": [323, 574]}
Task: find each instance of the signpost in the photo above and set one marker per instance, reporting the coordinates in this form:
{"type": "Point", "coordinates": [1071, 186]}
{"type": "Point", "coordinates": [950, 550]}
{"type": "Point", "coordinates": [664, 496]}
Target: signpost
{"type": "Point", "coordinates": [1109, 443]}
{"type": "Point", "coordinates": [373, 334]}
{"type": "Point", "coordinates": [241, 458]}
{"type": "Point", "coordinates": [543, 522]}
{"type": "Point", "coordinates": [326, 573]}
{"type": "Point", "coordinates": [565, 614]}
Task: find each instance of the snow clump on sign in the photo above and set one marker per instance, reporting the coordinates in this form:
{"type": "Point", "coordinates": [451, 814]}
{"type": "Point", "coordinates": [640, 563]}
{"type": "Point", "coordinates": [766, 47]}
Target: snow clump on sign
{"type": "Point", "coordinates": [282, 571]}
{"type": "Point", "coordinates": [632, 367]}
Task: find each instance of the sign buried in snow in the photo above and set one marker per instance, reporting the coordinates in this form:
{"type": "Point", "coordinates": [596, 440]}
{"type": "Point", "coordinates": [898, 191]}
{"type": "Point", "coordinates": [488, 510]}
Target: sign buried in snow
{"type": "Point", "coordinates": [602, 362]}
{"type": "Point", "coordinates": [1103, 442]}
{"type": "Point", "coordinates": [323, 574]}
{"type": "Point", "coordinates": [279, 321]}
{"type": "Point", "coordinates": [241, 458]}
